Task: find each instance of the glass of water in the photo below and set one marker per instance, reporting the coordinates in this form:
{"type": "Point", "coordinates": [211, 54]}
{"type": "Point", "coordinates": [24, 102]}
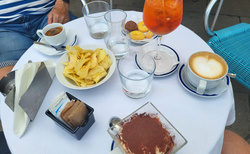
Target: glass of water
{"type": "Point", "coordinates": [117, 39]}
{"type": "Point", "coordinates": [94, 17]}
{"type": "Point", "coordinates": [136, 80]}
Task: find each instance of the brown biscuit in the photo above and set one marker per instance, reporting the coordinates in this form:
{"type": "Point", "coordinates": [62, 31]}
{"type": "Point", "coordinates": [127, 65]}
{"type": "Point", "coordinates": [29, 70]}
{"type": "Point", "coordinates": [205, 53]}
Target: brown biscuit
{"type": "Point", "coordinates": [74, 114]}
{"type": "Point", "coordinates": [79, 113]}
{"type": "Point", "coordinates": [131, 26]}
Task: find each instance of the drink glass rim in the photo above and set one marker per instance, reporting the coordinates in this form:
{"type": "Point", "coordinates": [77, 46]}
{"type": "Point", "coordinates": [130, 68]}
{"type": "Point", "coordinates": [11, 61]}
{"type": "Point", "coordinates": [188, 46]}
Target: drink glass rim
{"type": "Point", "coordinates": [113, 10]}
{"type": "Point", "coordinates": [85, 8]}
{"type": "Point", "coordinates": [149, 73]}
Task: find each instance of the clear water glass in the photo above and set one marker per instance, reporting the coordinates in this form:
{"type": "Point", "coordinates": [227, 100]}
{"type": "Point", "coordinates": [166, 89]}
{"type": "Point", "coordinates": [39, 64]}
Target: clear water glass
{"type": "Point", "coordinates": [117, 39]}
{"type": "Point", "coordinates": [94, 17]}
{"type": "Point", "coordinates": [136, 81]}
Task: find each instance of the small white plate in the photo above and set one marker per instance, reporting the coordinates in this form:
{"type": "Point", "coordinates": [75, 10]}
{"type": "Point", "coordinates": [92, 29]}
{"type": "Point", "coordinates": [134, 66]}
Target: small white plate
{"type": "Point", "coordinates": [71, 84]}
{"type": "Point", "coordinates": [137, 19]}
{"type": "Point", "coordinates": [173, 54]}
{"type": "Point", "coordinates": [144, 41]}
{"type": "Point", "coordinates": [71, 40]}
{"type": "Point", "coordinates": [211, 93]}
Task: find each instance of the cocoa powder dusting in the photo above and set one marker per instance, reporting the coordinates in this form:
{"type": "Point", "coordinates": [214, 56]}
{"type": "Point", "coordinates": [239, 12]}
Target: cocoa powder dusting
{"type": "Point", "coordinates": [144, 134]}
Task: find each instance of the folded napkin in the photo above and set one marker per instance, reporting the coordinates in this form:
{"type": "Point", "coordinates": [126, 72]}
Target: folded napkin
{"type": "Point", "coordinates": [23, 78]}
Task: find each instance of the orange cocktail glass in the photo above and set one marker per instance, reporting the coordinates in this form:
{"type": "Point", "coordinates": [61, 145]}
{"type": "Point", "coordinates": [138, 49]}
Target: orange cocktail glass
{"type": "Point", "coordinates": [162, 17]}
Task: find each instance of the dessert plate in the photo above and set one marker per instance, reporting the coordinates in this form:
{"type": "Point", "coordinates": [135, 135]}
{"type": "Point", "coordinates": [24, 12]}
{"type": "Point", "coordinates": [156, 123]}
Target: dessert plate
{"type": "Point", "coordinates": [210, 93]}
{"type": "Point", "coordinates": [137, 19]}
{"type": "Point", "coordinates": [71, 40]}
{"type": "Point", "coordinates": [174, 57]}
{"type": "Point", "coordinates": [144, 41]}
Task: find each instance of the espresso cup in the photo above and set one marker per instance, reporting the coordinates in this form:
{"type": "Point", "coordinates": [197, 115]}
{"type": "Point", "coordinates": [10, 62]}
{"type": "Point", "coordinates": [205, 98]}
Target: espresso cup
{"type": "Point", "coordinates": [206, 70]}
{"type": "Point", "coordinates": [53, 33]}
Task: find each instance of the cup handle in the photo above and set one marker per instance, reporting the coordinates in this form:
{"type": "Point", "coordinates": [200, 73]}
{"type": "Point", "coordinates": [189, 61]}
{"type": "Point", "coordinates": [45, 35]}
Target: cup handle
{"type": "Point", "coordinates": [39, 32]}
{"type": "Point", "coordinates": [202, 87]}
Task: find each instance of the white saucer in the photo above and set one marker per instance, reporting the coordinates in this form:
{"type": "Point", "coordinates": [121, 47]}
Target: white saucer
{"type": "Point", "coordinates": [211, 93]}
{"type": "Point", "coordinates": [71, 40]}
{"type": "Point", "coordinates": [173, 54]}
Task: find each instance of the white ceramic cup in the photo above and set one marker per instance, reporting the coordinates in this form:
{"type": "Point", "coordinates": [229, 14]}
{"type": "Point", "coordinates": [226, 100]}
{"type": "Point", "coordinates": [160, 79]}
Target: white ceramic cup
{"type": "Point", "coordinates": [55, 40]}
{"type": "Point", "coordinates": [206, 70]}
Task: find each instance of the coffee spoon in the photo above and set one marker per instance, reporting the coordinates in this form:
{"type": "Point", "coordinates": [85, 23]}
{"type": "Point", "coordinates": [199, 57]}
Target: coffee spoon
{"type": "Point", "coordinates": [113, 121]}
{"type": "Point", "coordinates": [114, 124]}
{"type": "Point", "coordinates": [58, 48]}
{"type": "Point", "coordinates": [231, 75]}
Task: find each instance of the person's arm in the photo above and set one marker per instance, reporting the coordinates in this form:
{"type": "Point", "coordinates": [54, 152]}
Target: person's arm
{"type": "Point", "coordinates": [60, 12]}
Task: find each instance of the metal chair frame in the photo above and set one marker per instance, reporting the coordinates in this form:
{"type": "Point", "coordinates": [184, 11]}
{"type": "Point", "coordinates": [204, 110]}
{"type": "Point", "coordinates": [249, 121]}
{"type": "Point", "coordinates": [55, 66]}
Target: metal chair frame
{"type": "Point", "coordinates": [231, 43]}
{"type": "Point", "coordinates": [207, 15]}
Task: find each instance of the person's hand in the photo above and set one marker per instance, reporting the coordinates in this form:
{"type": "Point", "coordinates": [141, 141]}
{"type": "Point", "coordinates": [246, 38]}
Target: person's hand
{"type": "Point", "coordinates": [59, 13]}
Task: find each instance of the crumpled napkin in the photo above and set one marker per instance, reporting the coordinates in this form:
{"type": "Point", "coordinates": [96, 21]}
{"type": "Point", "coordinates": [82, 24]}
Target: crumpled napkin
{"type": "Point", "coordinates": [23, 79]}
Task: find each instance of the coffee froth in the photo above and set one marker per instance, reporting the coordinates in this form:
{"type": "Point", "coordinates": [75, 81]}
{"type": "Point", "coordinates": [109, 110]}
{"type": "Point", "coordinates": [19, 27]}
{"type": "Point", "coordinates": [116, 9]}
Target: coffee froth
{"type": "Point", "coordinates": [208, 65]}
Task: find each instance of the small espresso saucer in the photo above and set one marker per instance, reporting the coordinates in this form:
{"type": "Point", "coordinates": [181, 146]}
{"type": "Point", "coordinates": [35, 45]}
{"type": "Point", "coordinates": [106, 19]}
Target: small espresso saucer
{"type": "Point", "coordinates": [211, 93]}
{"type": "Point", "coordinates": [71, 40]}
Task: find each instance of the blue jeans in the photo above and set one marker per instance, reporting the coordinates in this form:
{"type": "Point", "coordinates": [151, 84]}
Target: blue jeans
{"type": "Point", "coordinates": [16, 37]}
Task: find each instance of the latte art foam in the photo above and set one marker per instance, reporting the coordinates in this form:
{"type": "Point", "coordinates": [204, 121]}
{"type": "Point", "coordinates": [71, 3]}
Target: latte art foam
{"type": "Point", "coordinates": [207, 65]}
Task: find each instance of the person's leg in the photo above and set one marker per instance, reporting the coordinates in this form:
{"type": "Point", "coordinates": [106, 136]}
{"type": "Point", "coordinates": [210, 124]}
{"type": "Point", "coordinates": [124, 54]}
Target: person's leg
{"type": "Point", "coordinates": [13, 45]}
{"type": "Point", "coordinates": [234, 144]}
{"type": "Point", "coordinates": [5, 70]}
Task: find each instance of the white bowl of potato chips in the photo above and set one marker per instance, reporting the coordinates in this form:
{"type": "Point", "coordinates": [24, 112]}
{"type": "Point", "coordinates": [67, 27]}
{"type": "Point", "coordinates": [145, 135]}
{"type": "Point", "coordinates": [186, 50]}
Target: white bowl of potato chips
{"type": "Point", "coordinates": [85, 66]}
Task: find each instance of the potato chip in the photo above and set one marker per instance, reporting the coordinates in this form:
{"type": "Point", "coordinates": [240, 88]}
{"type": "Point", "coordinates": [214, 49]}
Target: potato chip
{"type": "Point", "coordinates": [106, 62]}
{"type": "Point", "coordinates": [83, 72]}
{"type": "Point", "coordinates": [93, 60]}
{"type": "Point", "coordinates": [101, 54]}
{"type": "Point", "coordinates": [85, 66]}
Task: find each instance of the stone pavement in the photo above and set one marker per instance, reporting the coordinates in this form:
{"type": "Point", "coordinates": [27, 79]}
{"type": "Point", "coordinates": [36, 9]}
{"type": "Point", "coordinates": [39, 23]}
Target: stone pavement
{"type": "Point", "coordinates": [232, 12]}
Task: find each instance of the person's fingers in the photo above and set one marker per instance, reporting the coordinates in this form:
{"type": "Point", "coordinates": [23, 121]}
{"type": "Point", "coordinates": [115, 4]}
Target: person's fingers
{"type": "Point", "coordinates": [50, 18]}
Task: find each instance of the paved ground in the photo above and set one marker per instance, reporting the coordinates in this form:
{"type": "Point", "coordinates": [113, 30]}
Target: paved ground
{"type": "Point", "coordinates": [232, 12]}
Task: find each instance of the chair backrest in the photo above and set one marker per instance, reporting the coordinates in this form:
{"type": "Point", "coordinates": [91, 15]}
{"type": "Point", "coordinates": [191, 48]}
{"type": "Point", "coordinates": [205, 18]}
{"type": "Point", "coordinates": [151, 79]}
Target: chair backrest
{"type": "Point", "coordinates": [207, 15]}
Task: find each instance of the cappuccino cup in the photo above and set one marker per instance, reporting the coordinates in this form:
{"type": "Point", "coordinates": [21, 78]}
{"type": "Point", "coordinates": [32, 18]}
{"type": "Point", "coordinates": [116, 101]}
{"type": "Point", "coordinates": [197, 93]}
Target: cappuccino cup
{"type": "Point", "coordinates": [206, 70]}
{"type": "Point", "coordinates": [53, 33]}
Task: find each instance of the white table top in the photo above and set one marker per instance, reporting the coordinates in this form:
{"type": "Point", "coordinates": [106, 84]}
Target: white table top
{"type": "Point", "coordinates": [200, 120]}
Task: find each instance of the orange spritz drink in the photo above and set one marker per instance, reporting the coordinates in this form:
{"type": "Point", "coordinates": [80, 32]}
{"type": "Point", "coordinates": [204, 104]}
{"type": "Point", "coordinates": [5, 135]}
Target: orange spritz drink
{"type": "Point", "coordinates": [162, 17]}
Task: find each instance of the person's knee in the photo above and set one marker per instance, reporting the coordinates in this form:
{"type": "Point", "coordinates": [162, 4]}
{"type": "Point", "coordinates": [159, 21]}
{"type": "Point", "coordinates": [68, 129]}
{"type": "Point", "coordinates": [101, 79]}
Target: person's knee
{"type": "Point", "coordinates": [5, 70]}
{"type": "Point", "coordinates": [234, 144]}
{"type": "Point", "coordinates": [13, 45]}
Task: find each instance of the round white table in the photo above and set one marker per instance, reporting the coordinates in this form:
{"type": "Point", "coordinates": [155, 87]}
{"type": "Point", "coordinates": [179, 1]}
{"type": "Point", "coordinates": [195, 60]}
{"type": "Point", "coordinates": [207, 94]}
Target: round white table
{"type": "Point", "coordinates": [200, 120]}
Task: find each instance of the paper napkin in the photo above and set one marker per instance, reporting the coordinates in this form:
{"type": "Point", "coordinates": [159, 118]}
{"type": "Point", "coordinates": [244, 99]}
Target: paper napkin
{"type": "Point", "coordinates": [23, 78]}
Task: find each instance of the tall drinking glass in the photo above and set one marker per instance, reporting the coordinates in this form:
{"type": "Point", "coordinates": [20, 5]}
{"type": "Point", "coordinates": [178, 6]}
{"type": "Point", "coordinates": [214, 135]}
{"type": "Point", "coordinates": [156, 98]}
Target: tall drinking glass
{"type": "Point", "coordinates": [117, 38]}
{"type": "Point", "coordinates": [162, 17]}
{"type": "Point", "coordinates": [94, 16]}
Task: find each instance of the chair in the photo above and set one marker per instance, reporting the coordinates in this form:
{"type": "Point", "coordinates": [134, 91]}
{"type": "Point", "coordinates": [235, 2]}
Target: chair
{"type": "Point", "coordinates": [231, 43]}
{"type": "Point", "coordinates": [83, 2]}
